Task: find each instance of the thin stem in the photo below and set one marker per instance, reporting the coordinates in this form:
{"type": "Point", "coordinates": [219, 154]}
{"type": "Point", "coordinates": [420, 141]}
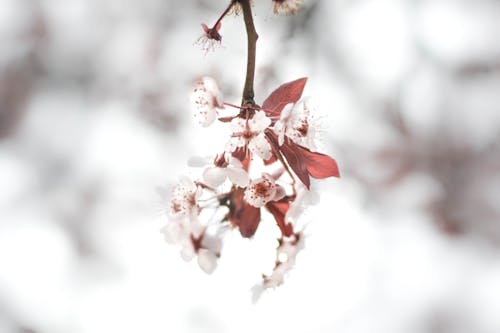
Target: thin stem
{"type": "Point", "coordinates": [224, 13]}
{"type": "Point", "coordinates": [248, 93]}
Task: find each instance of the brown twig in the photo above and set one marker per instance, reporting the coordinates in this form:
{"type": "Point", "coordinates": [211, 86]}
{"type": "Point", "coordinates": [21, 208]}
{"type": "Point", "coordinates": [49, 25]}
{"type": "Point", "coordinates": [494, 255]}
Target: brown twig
{"type": "Point", "coordinates": [248, 93]}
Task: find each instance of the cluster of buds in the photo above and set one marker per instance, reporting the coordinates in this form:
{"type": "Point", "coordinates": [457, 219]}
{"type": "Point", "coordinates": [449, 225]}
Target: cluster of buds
{"type": "Point", "coordinates": [266, 165]}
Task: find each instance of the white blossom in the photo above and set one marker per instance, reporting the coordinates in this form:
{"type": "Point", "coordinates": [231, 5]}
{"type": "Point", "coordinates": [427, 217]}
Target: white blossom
{"type": "Point", "coordinates": [286, 6]}
{"type": "Point", "coordinates": [184, 201]}
{"type": "Point", "coordinates": [232, 169]}
{"type": "Point", "coordinates": [205, 100]}
{"type": "Point", "coordinates": [262, 190]}
{"type": "Point", "coordinates": [194, 241]}
{"type": "Point", "coordinates": [250, 133]}
{"type": "Point", "coordinates": [297, 123]}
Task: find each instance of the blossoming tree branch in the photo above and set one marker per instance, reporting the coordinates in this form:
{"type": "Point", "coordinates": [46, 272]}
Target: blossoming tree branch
{"type": "Point", "coordinates": [262, 175]}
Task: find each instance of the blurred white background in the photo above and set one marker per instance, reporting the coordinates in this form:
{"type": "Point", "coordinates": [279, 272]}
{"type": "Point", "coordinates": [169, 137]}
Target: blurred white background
{"type": "Point", "coordinates": [94, 115]}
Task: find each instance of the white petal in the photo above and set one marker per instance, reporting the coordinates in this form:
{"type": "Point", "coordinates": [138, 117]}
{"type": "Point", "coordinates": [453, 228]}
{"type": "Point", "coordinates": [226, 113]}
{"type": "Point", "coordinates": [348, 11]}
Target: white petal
{"type": "Point", "coordinates": [207, 260]}
{"type": "Point", "coordinates": [238, 176]}
{"type": "Point", "coordinates": [187, 183]}
{"type": "Point", "coordinates": [259, 122]}
{"type": "Point", "coordinates": [210, 84]}
{"type": "Point", "coordinates": [234, 143]}
{"type": "Point", "coordinates": [235, 162]}
{"type": "Point", "coordinates": [285, 113]}
{"type": "Point", "coordinates": [212, 243]}
{"type": "Point", "coordinates": [212, 88]}
{"type": "Point", "coordinates": [187, 252]}
{"type": "Point", "coordinates": [206, 117]}
{"type": "Point", "coordinates": [238, 125]}
{"type": "Point", "coordinates": [261, 147]}
{"type": "Point", "coordinates": [280, 193]}
{"type": "Point", "coordinates": [310, 139]}
{"type": "Point", "coordinates": [195, 229]}
{"type": "Point", "coordinates": [253, 199]}
{"type": "Point", "coordinates": [279, 129]}
{"type": "Point", "coordinates": [214, 176]}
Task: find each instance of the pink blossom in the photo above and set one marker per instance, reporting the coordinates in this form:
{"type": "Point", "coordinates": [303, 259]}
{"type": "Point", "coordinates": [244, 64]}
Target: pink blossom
{"type": "Point", "coordinates": [217, 170]}
{"type": "Point", "coordinates": [250, 133]}
{"type": "Point", "coordinates": [205, 100]}
{"type": "Point", "coordinates": [193, 240]}
{"type": "Point", "coordinates": [184, 201]}
{"type": "Point", "coordinates": [296, 122]}
{"type": "Point", "coordinates": [262, 190]}
{"type": "Point", "coordinates": [224, 168]}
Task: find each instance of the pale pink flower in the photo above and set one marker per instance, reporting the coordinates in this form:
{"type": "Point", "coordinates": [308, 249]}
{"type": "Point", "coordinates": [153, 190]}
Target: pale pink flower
{"type": "Point", "coordinates": [297, 123]}
{"type": "Point", "coordinates": [184, 201]}
{"type": "Point", "coordinates": [224, 168]}
{"type": "Point", "coordinates": [262, 190]}
{"type": "Point", "coordinates": [205, 100]}
{"type": "Point", "coordinates": [219, 169]}
{"type": "Point", "coordinates": [286, 6]}
{"type": "Point", "coordinates": [190, 235]}
{"type": "Point", "coordinates": [250, 133]}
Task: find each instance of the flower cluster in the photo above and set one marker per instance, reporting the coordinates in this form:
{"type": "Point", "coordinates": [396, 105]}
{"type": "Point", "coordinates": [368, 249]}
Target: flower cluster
{"type": "Point", "coordinates": [262, 173]}
{"type": "Point", "coordinates": [232, 193]}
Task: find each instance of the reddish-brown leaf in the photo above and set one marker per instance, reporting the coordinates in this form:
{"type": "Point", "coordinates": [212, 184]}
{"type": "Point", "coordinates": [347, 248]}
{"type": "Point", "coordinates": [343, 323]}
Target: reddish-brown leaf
{"type": "Point", "coordinates": [279, 209]}
{"type": "Point", "coordinates": [303, 162]}
{"type": "Point", "coordinates": [243, 215]}
{"type": "Point", "coordinates": [296, 162]}
{"type": "Point", "coordinates": [292, 156]}
{"type": "Point", "coordinates": [286, 93]}
{"type": "Point", "coordinates": [319, 165]}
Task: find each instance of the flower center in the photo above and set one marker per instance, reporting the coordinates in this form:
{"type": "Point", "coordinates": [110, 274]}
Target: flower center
{"type": "Point", "coordinates": [263, 188]}
{"type": "Point", "coordinates": [303, 128]}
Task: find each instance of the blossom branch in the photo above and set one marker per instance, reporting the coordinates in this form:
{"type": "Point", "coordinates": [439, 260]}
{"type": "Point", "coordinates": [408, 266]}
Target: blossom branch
{"type": "Point", "coordinates": [252, 36]}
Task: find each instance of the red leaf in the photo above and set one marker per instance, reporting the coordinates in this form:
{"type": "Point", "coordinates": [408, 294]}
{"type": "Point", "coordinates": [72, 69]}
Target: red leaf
{"type": "Point", "coordinates": [286, 93]}
{"type": "Point", "coordinates": [279, 209]}
{"type": "Point", "coordinates": [304, 162]}
{"type": "Point", "coordinates": [296, 162]}
{"type": "Point", "coordinates": [319, 165]}
{"type": "Point", "coordinates": [243, 215]}
{"type": "Point", "coordinates": [292, 156]}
